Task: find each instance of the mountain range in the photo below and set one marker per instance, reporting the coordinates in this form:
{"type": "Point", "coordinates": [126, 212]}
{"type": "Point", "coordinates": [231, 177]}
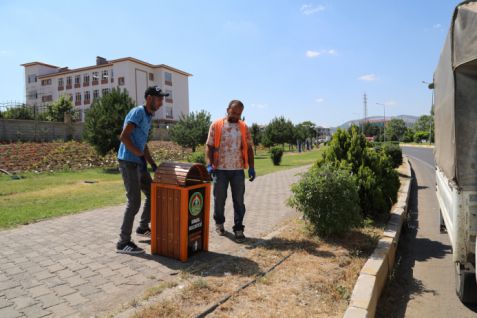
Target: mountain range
{"type": "Point", "coordinates": [408, 119]}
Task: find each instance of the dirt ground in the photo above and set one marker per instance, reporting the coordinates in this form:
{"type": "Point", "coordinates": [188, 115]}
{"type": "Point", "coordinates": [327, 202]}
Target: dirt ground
{"type": "Point", "coordinates": [294, 274]}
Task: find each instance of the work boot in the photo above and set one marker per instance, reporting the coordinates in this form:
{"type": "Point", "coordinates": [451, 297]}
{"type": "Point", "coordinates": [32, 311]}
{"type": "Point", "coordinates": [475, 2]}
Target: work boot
{"type": "Point", "coordinates": [219, 228]}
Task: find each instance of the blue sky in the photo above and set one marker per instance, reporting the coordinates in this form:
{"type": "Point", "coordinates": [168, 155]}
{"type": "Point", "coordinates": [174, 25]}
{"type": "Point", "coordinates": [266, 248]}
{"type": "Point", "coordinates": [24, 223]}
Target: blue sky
{"type": "Point", "coordinates": [305, 60]}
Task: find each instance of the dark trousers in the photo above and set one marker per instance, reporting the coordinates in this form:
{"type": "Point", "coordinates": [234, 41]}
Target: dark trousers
{"type": "Point", "coordinates": [236, 178]}
{"type": "Point", "coordinates": [136, 179]}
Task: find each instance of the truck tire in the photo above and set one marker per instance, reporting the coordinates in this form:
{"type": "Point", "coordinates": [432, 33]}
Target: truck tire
{"type": "Point", "coordinates": [465, 285]}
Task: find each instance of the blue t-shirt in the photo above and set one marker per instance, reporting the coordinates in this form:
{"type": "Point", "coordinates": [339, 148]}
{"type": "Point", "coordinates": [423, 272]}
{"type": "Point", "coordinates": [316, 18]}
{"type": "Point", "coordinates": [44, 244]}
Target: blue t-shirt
{"type": "Point", "coordinates": [142, 120]}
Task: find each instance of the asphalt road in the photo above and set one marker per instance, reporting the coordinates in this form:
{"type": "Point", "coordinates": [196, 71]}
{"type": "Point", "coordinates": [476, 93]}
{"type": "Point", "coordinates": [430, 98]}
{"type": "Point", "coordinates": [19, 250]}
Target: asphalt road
{"type": "Point", "coordinates": [423, 283]}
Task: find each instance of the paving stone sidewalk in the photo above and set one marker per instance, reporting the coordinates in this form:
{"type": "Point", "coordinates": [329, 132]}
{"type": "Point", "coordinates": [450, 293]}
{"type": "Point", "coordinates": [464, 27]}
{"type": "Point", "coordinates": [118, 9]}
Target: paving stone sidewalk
{"type": "Point", "coordinates": [68, 266]}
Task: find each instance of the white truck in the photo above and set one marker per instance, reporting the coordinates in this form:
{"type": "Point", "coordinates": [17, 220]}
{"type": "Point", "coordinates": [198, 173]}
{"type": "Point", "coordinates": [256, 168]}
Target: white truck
{"type": "Point", "coordinates": [455, 113]}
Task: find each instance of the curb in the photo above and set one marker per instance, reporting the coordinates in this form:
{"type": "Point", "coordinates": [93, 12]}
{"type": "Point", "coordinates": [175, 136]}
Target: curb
{"type": "Point", "coordinates": [376, 270]}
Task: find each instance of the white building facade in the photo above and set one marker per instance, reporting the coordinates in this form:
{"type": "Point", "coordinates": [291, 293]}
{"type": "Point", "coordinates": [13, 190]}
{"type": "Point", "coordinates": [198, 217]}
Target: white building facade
{"type": "Point", "coordinates": [45, 83]}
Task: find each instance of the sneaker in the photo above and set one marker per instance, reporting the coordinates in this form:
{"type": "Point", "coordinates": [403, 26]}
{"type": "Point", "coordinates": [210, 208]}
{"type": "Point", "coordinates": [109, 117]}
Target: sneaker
{"type": "Point", "coordinates": [143, 232]}
{"type": "Point", "coordinates": [239, 237]}
{"type": "Point", "coordinates": [219, 228]}
{"type": "Point", "coordinates": [128, 248]}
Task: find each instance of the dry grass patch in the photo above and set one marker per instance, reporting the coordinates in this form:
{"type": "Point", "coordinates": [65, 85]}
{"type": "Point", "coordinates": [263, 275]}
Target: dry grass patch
{"type": "Point", "coordinates": [316, 280]}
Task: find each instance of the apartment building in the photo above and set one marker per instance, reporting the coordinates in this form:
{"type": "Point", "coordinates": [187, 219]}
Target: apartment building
{"type": "Point", "coordinates": [45, 83]}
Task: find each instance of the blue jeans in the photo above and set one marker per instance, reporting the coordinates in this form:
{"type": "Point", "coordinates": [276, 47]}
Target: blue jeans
{"type": "Point", "coordinates": [236, 178]}
{"type": "Point", "coordinates": [136, 179]}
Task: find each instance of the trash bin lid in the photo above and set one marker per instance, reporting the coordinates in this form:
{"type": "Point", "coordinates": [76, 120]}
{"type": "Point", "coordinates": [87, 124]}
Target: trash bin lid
{"type": "Point", "coordinates": [181, 174]}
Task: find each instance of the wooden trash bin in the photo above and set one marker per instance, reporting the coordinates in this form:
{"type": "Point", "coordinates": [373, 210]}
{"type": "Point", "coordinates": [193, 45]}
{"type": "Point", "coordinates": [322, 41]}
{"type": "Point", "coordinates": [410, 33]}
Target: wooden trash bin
{"type": "Point", "coordinates": [180, 209]}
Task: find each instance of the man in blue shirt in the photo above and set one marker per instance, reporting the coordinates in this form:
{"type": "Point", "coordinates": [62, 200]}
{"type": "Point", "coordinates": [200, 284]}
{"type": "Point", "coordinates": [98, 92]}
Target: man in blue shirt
{"type": "Point", "coordinates": [133, 156]}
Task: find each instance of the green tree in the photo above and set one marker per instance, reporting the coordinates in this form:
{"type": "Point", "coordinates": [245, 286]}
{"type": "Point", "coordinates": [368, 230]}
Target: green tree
{"type": "Point", "coordinates": [280, 131]}
{"type": "Point", "coordinates": [191, 130]}
{"type": "Point", "coordinates": [371, 130]}
{"type": "Point", "coordinates": [395, 130]}
{"type": "Point", "coordinates": [425, 123]}
{"type": "Point", "coordinates": [60, 107]}
{"type": "Point", "coordinates": [104, 120]}
{"type": "Point", "coordinates": [256, 133]}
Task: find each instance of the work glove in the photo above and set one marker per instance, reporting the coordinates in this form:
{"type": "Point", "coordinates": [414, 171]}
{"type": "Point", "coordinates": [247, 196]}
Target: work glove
{"type": "Point", "coordinates": [251, 174]}
{"type": "Point", "coordinates": [210, 169]}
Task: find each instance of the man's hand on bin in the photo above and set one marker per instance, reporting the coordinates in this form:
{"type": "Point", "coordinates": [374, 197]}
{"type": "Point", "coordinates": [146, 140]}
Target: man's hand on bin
{"type": "Point", "coordinates": [251, 174]}
{"type": "Point", "coordinates": [210, 169]}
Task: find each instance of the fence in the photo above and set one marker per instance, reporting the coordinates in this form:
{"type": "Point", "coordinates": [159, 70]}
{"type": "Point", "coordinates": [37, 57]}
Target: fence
{"type": "Point", "coordinates": [12, 130]}
{"type": "Point", "coordinates": [31, 128]}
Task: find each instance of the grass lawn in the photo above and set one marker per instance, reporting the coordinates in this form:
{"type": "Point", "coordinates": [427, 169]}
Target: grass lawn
{"type": "Point", "coordinates": [37, 197]}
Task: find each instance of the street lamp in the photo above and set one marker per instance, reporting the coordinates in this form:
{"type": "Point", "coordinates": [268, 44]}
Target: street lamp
{"type": "Point", "coordinates": [384, 120]}
{"type": "Point", "coordinates": [430, 86]}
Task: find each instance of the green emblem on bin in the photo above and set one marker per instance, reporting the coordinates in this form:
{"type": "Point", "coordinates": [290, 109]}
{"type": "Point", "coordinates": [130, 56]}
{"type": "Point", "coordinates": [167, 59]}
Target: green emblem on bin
{"type": "Point", "coordinates": [196, 202]}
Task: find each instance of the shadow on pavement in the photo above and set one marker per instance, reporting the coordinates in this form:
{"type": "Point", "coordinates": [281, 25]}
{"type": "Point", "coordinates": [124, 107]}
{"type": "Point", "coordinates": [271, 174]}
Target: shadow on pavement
{"type": "Point", "coordinates": [402, 286]}
{"type": "Point", "coordinates": [208, 264]}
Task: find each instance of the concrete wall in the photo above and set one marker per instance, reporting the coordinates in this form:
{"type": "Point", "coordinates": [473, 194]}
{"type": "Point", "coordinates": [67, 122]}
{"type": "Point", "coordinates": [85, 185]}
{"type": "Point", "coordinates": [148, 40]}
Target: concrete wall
{"type": "Point", "coordinates": [32, 130]}
{"type": "Point", "coordinates": [12, 130]}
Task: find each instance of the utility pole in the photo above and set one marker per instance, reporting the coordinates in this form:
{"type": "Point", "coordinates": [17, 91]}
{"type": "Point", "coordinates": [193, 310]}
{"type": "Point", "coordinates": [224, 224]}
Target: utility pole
{"type": "Point", "coordinates": [365, 105]}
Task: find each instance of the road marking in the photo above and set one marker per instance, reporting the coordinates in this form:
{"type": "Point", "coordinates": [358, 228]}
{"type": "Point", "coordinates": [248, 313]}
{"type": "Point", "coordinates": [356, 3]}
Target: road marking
{"type": "Point", "coordinates": [422, 161]}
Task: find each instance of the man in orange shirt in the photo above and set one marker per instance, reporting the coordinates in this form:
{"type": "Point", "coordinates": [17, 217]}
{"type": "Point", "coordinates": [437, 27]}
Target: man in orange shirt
{"type": "Point", "coordinates": [230, 151]}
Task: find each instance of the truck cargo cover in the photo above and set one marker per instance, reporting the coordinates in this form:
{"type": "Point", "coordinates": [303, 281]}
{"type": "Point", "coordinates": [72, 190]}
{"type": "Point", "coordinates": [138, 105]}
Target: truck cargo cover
{"type": "Point", "coordinates": [455, 91]}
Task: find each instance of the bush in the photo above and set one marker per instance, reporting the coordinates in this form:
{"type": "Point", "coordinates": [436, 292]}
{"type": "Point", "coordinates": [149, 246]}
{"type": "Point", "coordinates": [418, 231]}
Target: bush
{"type": "Point", "coordinates": [395, 152]}
{"type": "Point", "coordinates": [21, 112]}
{"type": "Point", "coordinates": [328, 198]}
{"type": "Point", "coordinates": [376, 179]}
{"type": "Point", "coordinates": [197, 157]}
{"type": "Point", "coordinates": [276, 153]}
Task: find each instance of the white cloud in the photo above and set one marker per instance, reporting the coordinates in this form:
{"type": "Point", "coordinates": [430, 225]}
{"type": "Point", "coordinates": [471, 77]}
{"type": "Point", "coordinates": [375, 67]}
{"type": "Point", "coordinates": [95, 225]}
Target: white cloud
{"type": "Point", "coordinates": [260, 106]}
{"type": "Point", "coordinates": [309, 9]}
{"type": "Point", "coordinates": [319, 100]}
{"type": "Point", "coordinates": [312, 54]}
{"type": "Point", "coordinates": [437, 26]}
{"type": "Point", "coordinates": [368, 77]}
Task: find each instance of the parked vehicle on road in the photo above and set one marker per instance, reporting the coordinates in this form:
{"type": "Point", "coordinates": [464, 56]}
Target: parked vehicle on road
{"type": "Point", "coordinates": [455, 111]}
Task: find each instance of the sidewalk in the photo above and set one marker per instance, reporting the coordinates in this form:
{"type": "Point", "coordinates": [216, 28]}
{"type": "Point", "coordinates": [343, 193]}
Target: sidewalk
{"type": "Point", "coordinates": [68, 266]}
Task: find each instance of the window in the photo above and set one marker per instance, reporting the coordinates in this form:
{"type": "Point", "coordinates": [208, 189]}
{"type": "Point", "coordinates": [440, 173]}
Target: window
{"type": "Point", "coordinates": [68, 82]}
{"type": "Point", "coordinates": [112, 76]}
{"type": "Point", "coordinates": [46, 98]}
{"type": "Point", "coordinates": [32, 95]}
{"type": "Point", "coordinates": [87, 96]}
{"type": "Point", "coordinates": [77, 81]}
{"type": "Point", "coordinates": [168, 78]}
{"type": "Point", "coordinates": [95, 93]}
{"type": "Point", "coordinates": [46, 82]}
{"type": "Point", "coordinates": [169, 98]}
{"type": "Point", "coordinates": [169, 112]}
{"type": "Point", "coordinates": [120, 81]}
{"type": "Point", "coordinates": [61, 83]}
{"type": "Point", "coordinates": [95, 78]}
{"type": "Point", "coordinates": [78, 99]}
{"type": "Point", "coordinates": [151, 76]}
{"type": "Point", "coordinates": [32, 78]}
{"type": "Point", "coordinates": [104, 75]}
{"type": "Point", "coordinates": [85, 79]}
{"type": "Point", "coordinates": [105, 91]}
